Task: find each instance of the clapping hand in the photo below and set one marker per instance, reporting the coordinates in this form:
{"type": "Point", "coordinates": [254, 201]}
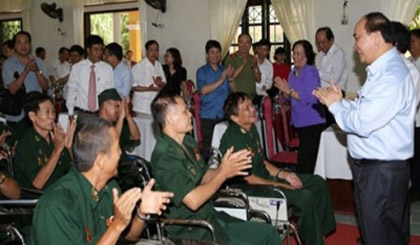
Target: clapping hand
{"type": "Point", "coordinates": [329, 95]}
{"type": "Point", "coordinates": [58, 137]}
{"type": "Point", "coordinates": [234, 164]}
{"type": "Point", "coordinates": [154, 202]}
{"type": "Point", "coordinates": [281, 84]}
{"type": "Point", "coordinates": [124, 206]}
{"type": "Point", "coordinates": [158, 81]}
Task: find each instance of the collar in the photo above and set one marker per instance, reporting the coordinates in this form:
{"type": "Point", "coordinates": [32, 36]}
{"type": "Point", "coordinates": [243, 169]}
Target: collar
{"type": "Point", "coordinates": [377, 65]}
{"type": "Point", "coordinates": [93, 197]}
{"type": "Point", "coordinates": [39, 137]}
{"type": "Point", "coordinates": [208, 66]}
{"type": "Point", "coordinates": [150, 63]}
{"type": "Point", "coordinates": [331, 50]}
{"type": "Point", "coordinates": [240, 129]}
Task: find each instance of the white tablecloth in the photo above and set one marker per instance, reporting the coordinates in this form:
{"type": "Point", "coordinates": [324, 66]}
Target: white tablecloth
{"type": "Point", "coordinates": [333, 161]}
{"type": "Point", "coordinates": [148, 130]}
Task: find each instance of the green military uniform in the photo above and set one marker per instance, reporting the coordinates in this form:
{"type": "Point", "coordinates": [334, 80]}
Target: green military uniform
{"type": "Point", "coordinates": [72, 212]}
{"type": "Point", "coordinates": [126, 143]}
{"type": "Point", "coordinates": [180, 172]}
{"type": "Point", "coordinates": [33, 152]}
{"type": "Point", "coordinates": [245, 82]}
{"type": "Point", "coordinates": [312, 203]}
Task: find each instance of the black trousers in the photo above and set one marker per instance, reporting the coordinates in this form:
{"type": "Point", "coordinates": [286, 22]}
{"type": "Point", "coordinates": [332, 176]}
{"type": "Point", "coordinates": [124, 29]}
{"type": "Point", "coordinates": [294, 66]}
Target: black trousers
{"type": "Point", "coordinates": [207, 127]}
{"type": "Point", "coordinates": [309, 138]}
{"type": "Point", "coordinates": [380, 195]}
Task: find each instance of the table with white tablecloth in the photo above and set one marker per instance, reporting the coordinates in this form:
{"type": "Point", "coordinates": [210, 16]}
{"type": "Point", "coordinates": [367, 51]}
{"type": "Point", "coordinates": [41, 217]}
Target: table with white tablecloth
{"type": "Point", "coordinates": [333, 161]}
{"type": "Point", "coordinates": [148, 131]}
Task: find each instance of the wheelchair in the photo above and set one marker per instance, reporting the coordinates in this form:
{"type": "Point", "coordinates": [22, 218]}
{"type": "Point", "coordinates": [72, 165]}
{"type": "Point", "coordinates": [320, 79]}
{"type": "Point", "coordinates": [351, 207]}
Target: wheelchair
{"type": "Point", "coordinates": [227, 200]}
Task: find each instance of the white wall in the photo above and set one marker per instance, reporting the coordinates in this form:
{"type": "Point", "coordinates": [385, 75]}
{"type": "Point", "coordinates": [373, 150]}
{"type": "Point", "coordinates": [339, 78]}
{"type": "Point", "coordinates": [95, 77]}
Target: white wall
{"type": "Point", "coordinates": [186, 26]}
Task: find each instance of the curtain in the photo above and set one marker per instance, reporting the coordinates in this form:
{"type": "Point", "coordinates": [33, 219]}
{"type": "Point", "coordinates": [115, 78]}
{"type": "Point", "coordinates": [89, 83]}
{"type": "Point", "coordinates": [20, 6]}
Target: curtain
{"type": "Point", "coordinates": [399, 10]}
{"type": "Point", "coordinates": [78, 15]}
{"type": "Point", "coordinates": [143, 24]}
{"type": "Point", "coordinates": [297, 18]}
{"type": "Point", "coordinates": [225, 16]}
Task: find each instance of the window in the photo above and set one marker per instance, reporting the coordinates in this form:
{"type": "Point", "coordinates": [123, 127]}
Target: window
{"type": "Point", "coordinates": [260, 21]}
{"type": "Point", "coordinates": [9, 28]}
{"type": "Point", "coordinates": [121, 26]}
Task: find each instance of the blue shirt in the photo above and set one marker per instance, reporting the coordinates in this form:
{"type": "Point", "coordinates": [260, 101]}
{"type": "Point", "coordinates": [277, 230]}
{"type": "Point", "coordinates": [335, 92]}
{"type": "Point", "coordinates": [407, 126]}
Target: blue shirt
{"type": "Point", "coordinates": [213, 102]}
{"type": "Point", "coordinates": [13, 65]}
{"type": "Point", "coordinates": [123, 78]}
{"type": "Point", "coordinates": [306, 111]}
{"type": "Point", "coordinates": [380, 122]}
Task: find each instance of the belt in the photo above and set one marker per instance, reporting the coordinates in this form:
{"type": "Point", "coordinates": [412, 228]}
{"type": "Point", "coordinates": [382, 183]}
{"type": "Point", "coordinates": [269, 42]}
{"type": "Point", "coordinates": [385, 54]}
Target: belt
{"type": "Point", "coordinates": [375, 161]}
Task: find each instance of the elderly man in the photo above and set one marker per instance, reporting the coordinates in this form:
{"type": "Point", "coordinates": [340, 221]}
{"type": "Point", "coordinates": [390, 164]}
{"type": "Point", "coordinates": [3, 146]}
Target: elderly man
{"type": "Point", "coordinates": [149, 78]}
{"type": "Point", "coordinates": [43, 152]}
{"type": "Point", "coordinates": [247, 72]}
{"type": "Point", "coordinates": [178, 167]}
{"type": "Point", "coordinates": [23, 70]}
{"type": "Point", "coordinates": [115, 110]}
{"type": "Point", "coordinates": [380, 123]}
{"type": "Point", "coordinates": [123, 77]}
{"type": "Point", "coordinates": [85, 206]}
{"type": "Point", "coordinates": [88, 79]}
{"type": "Point", "coordinates": [307, 194]}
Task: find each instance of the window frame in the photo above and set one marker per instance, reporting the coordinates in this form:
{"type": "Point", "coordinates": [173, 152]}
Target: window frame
{"type": "Point", "coordinates": [15, 18]}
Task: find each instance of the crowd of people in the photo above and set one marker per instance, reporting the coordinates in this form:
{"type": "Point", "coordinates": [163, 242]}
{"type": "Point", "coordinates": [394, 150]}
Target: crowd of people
{"type": "Point", "coordinates": [77, 167]}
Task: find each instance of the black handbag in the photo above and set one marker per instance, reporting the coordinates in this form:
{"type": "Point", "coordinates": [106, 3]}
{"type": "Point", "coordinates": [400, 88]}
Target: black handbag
{"type": "Point", "coordinates": [12, 104]}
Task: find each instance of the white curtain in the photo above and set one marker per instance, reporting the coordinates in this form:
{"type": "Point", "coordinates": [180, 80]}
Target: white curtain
{"type": "Point", "coordinates": [143, 24]}
{"type": "Point", "coordinates": [78, 15]}
{"type": "Point", "coordinates": [399, 10]}
{"type": "Point", "coordinates": [225, 16]}
{"type": "Point", "coordinates": [297, 18]}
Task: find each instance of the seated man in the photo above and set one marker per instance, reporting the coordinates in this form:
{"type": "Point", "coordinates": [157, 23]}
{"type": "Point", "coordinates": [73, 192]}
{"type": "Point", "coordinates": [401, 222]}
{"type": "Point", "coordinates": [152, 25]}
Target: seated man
{"type": "Point", "coordinates": [115, 110]}
{"type": "Point", "coordinates": [43, 152]}
{"type": "Point", "coordinates": [84, 206]}
{"type": "Point", "coordinates": [178, 167]}
{"type": "Point", "coordinates": [307, 194]}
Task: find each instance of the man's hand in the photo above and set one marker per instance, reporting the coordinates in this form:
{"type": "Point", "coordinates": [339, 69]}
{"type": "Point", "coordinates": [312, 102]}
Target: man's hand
{"type": "Point", "coordinates": [124, 104]}
{"type": "Point", "coordinates": [282, 85]}
{"type": "Point", "coordinates": [58, 137]}
{"type": "Point", "coordinates": [329, 95]}
{"type": "Point", "coordinates": [68, 139]}
{"type": "Point", "coordinates": [292, 178]}
{"type": "Point", "coordinates": [33, 66]}
{"type": "Point", "coordinates": [254, 62]}
{"type": "Point", "coordinates": [229, 71]}
{"type": "Point", "coordinates": [154, 202]}
{"type": "Point", "coordinates": [121, 110]}
{"type": "Point", "coordinates": [4, 135]}
{"type": "Point", "coordinates": [124, 206]}
{"type": "Point", "coordinates": [158, 81]}
{"type": "Point", "coordinates": [234, 164]}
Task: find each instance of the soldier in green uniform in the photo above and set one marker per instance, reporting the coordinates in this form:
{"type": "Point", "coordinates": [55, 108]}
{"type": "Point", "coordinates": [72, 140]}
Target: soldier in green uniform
{"type": "Point", "coordinates": [85, 206]}
{"type": "Point", "coordinates": [307, 194]}
{"type": "Point", "coordinates": [115, 110]}
{"type": "Point", "coordinates": [247, 72]}
{"type": "Point", "coordinates": [43, 152]}
{"type": "Point", "coordinates": [178, 167]}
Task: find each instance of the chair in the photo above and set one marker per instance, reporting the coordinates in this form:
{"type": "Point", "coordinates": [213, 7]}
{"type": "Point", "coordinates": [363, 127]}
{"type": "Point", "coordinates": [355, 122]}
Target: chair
{"type": "Point", "coordinates": [190, 87]}
{"type": "Point", "coordinates": [283, 157]}
{"type": "Point", "coordinates": [196, 118]}
{"type": "Point", "coordinates": [290, 138]}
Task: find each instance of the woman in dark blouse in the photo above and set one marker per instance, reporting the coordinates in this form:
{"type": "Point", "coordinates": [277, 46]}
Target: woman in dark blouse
{"type": "Point", "coordinates": [176, 75]}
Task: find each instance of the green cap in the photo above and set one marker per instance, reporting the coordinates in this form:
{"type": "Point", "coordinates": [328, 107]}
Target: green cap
{"type": "Point", "coordinates": [109, 94]}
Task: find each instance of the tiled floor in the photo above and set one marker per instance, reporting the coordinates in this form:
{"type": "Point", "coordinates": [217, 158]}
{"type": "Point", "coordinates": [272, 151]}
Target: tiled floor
{"type": "Point", "coordinates": [414, 219]}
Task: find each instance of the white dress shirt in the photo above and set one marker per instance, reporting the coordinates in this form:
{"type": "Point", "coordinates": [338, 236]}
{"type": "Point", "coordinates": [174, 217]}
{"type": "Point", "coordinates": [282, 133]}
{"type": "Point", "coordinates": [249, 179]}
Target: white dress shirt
{"type": "Point", "coordinates": [332, 66]}
{"type": "Point", "coordinates": [380, 122]}
{"type": "Point", "coordinates": [58, 69]}
{"type": "Point", "coordinates": [417, 82]}
{"type": "Point", "coordinates": [78, 84]}
{"type": "Point", "coordinates": [266, 69]}
{"type": "Point", "coordinates": [143, 73]}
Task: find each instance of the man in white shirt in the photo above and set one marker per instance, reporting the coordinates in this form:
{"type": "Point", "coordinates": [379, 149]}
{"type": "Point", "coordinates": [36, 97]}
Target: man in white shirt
{"type": "Point", "coordinates": [60, 68]}
{"type": "Point", "coordinates": [331, 64]}
{"type": "Point", "coordinates": [266, 68]}
{"type": "Point", "coordinates": [89, 78]}
{"type": "Point", "coordinates": [331, 59]}
{"type": "Point", "coordinates": [149, 78]}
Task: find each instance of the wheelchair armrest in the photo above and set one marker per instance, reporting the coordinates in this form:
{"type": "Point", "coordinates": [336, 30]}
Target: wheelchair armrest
{"type": "Point", "coordinates": [260, 214]}
{"type": "Point", "coordinates": [224, 194]}
{"type": "Point", "coordinates": [191, 222]}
